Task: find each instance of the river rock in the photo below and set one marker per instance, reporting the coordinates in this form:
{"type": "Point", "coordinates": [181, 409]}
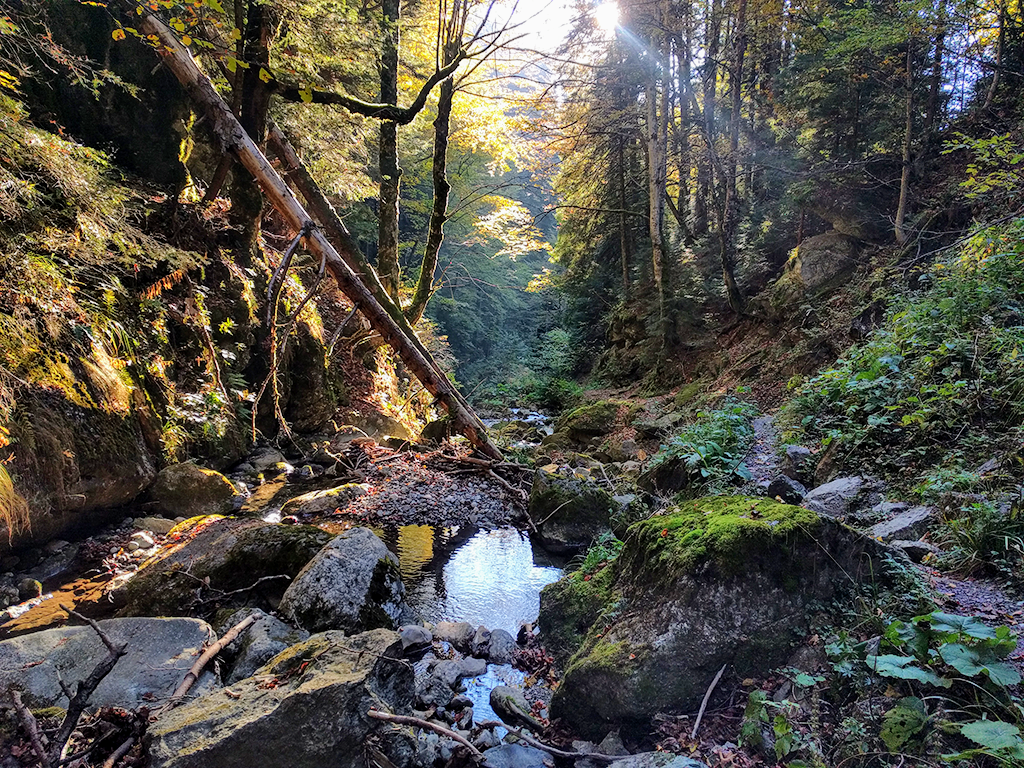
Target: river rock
{"type": "Point", "coordinates": [188, 490]}
{"type": "Point", "coordinates": [787, 489]}
{"type": "Point", "coordinates": [352, 584]}
{"type": "Point", "coordinates": [459, 633]}
{"type": "Point", "coordinates": [471, 666]}
{"type": "Point", "coordinates": [328, 500]}
{"type": "Point", "coordinates": [160, 652]}
{"type": "Point", "coordinates": [414, 639]}
{"type": "Point", "coordinates": [517, 756]}
{"type": "Point", "coordinates": [502, 647]}
{"type": "Point", "coordinates": [511, 706]}
{"type": "Point", "coordinates": [657, 760]}
{"type": "Point", "coordinates": [161, 526]}
{"type": "Point", "coordinates": [844, 497]}
{"type": "Point", "coordinates": [481, 639]}
{"type": "Point", "coordinates": [720, 580]}
{"type": "Point", "coordinates": [799, 464]}
{"type": "Point", "coordinates": [591, 419]}
{"type": "Point", "coordinates": [314, 717]}
{"type": "Point", "coordinates": [906, 525]}
{"type": "Point", "coordinates": [569, 512]}
{"type": "Point", "coordinates": [262, 641]}
{"type": "Point", "coordinates": [233, 554]}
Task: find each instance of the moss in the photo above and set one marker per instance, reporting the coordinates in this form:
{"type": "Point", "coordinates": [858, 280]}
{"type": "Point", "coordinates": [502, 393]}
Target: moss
{"type": "Point", "coordinates": [571, 606]}
{"type": "Point", "coordinates": [593, 418]}
{"type": "Point", "coordinates": [603, 655]}
{"type": "Point", "coordinates": [49, 713]}
{"type": "Point", "coordinates": [687, 394]}
{"type": "Point", "coordinates": [726, 531]}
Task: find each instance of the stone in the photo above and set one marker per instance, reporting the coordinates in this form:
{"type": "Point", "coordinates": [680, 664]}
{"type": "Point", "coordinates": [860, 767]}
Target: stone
{"type": "Point", "coordinates": [511, 706]}
{"type": "Point", "coordinates": [569, 512]}
{"type": "Point", "coordinates": [352, 584]}
{"type": "Point", "coordinates": [160, 652]}
{"type": "Point", "coordinates": [591, 419]}
{"type": "Point", "coordinates": [911, 524]}
{"type": "Point", "coordinates": [29, 588]}
{"type": "Point", "coordinates": [471, 666]}
{"type": "Point", "coordinates": [799, 464]}
{"type": "Point", "coordinates": [414, 639]}
{"type": "Point", "coordinates": [328, 500]}
{"type": "Point", "coordinates": [233, 554]}
{"type": "Point", "coordinates": [719, 580]}
{"type": "Point", "coordinates": [657, 760]}
{"type": "Point", "coordinates": [53, 547]}
{"type": "Point", "coordinates": [612, 745]}
{"type": "Point", "coordinates": [787, 489]}
{"type": "Point", "coordinates": [480, 641]}
{"type": "Point", "coordinates": [262, 641]}
{"type": "Point", "coordinates": [917, 551]}
{"type": "Point", "coordinates": [314, 717]}
{"type": "Point", "coordinates": [448, 671]}
{"type": "Point", "coordinates": [517, 756]}
{"type": "Point", "coordinates": [143, 539]}
{"type": "Point", "coordinates": [459, 633]}
{"type": "Point", "coordinates": [185, 489]}
{"type": "Point", "coordinates": [266, 459]}
{"type": "Point", "coordinates": [819, 264]}
{"type": "Point", "coordinates": [502, 647]}
{"type": "Point", "coordinates": [843, 497]}
{"type": "Point", "coordinates": [432, 691]}
{"type": "Point", "coordinates": [161, 526]}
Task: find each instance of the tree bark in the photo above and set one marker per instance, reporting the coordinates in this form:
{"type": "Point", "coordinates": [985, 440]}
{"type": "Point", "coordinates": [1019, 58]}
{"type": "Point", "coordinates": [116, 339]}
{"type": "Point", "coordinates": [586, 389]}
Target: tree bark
{"type": "Point", "coordinates": [908, 135]}
{"type": "Point", "coordinates": [390, 173]}
{"type": "Point", "coordinates": [731, 214]}
{"type": "Point", "coordinates": [234, 139]}
{"type": "Point", "coordinates": [999, 57]}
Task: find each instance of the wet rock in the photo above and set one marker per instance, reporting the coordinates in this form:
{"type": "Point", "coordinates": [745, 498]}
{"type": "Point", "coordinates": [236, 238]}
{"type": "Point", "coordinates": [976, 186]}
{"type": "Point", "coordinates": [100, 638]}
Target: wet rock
{"type": "Point", "coordinates": [313, 719]}
{"type": "Point", "coordinates": [487, 739]}
{"type": "Point", "coordinates": [459, 633]}
{"type": "Point", "coordinates": [265, 459]}
{"type": "Point", "coordinates": [415, 639]}
{"type": "Point", "coordinates": [481, 639]}
{"type": "Point", "coordinates": [352, 584]}
{"type": "Point", "coordinates": [799, 464]}
{"type": "Point", "coordinates": [29, 588]}
{"type": "Point", "coordinates": [232, 554]}
{"type": "Point", "coordinates": [570, 512]}
{"type": "Point", "coordinates": [657, 760]}
{"type": "Point", "coordinates": [501, 648]}
{"type": "Point", "coordinates": [844, 497]}
{"type": "Point", "coordinates": [517, 756]}
{"type": "Point", "coordinates": [911, 524]}
{"type": "Point", "coordinates": [471, 666]}
{"type": "Point", "coordinates": [448, 672]}
{"type": "Point", "coordinates": [143, 539]}
{"type": "Point", "coordinates": [160, 652]}
{"type": "Point", "coordinates": [720, 580]}
{"type": "Point", "coordinates": [185, 489]}
{"type": "Point", "coordinates": [265, 639]}
{"type": "Point", "coordinates": [327, 500]}
{"type": "Point", "coordinates": [787, 489]}
{"type": "Point", "coordinates": [161, 526]}
{"type": "Point", "coordinates": [460, 702]}
{"type": "Point", "coordinates": [917, 551]}
{"type": "Point", "coordinates": [511, 706]}
{"type": "Point", "coordinates": [432, 691]}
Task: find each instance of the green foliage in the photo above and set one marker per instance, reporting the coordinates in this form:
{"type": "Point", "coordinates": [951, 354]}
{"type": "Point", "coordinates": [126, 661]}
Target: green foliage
{"type": "Point", "coordinates": [980, 538]}
{"type": "Point", "coordinates": [602, 552]}
{"type": "Point", "coordinates": [904, 723]}
{"type": "Point", "coordinates": [713, 446]}
{"type": "Point", "coordinates": [943, 381]}
{"type": "Point", "coordinates": [996, 172]}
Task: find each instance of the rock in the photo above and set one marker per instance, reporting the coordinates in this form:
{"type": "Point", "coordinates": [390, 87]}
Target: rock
{"type": "Point", "coordinates": [651, 429]}
{"type": "Point", "coordinates": [460, 634]}
{"type": "Point", "coordinates": [511, 706]}
{"type": "Point", "coordinates": [266, 459]}
{"type": "Point", "coordinates": [819, 264]}
{"type": "Point", "coordinates": [501, 649]}
{"type": "Point", "coordinates": [612, 745]}
{"type": "Point", "coordinates": [720, 580]}
{"type": "Point", "coordinates": [29, 588]}
{"type": "Point", "coordinates": [481, 639]}
{"type": "Point", "coordinates": [132, 546]}
{"type": "Point", "coordinates": [569, 512]}
{"type": "Point", "coordinates": [233, 554]}
{"type": "Point", "coordinates": [328, 500]}
{"type": "Point", "coordinates": [432, 691]}
{"type": "Point", "coordinates": [657, 760]}
{"type": "Point", "coordinates": [143, 539]}
{"type": "Point", "coordinates": [517, 756]}
{"type": "Point", "coordinates": [160, 652]}
{"type": "Point", "coordinates": [843, 497]}
{"type": "Point", "coordinates": [911, 524]}
{"type": "Point", "coordinates": [787, 489]}
{"type": "Point", "coordinates": [315, 717]}
{"type": "Point", "coordinates": [352, 584]}
{"type": "Point", "coordinates": [185, 489]}
{"type": "Point", "coordinates": [448, 672]}
{"type": "Point", "coordinates": [916, 550]}
{"type": "Point", "coordinates": [436, 432]}
{"type": "Point", "coordinates": [414, 639]}
{"type": "Point", "coordinates": [591, 419]}
{"type": "Point", "coordinates": [799, 464]}
{"type": "Point", "coordinates": [471, 666]}
{"type": "Point", "coordinates": [460, 702]}
{"type": "Point", "coordinates": [53, 547]}
{"type": "Point", "coordinates": [265, 639]}
{"type": "Point", "coordinates": [161, 526]}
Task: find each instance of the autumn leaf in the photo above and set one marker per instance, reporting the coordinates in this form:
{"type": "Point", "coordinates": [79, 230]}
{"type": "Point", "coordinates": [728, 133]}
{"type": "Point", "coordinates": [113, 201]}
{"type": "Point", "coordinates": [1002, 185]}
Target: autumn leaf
{"type": "Point", "coordinates": [265, 76]}
{"type": "Point", "coordinates": [118, 34]}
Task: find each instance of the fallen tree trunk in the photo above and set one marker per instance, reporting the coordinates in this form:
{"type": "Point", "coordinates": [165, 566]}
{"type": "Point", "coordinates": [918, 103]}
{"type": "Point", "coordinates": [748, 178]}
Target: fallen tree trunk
{"type": "Point", "coordinates": [235, 140]}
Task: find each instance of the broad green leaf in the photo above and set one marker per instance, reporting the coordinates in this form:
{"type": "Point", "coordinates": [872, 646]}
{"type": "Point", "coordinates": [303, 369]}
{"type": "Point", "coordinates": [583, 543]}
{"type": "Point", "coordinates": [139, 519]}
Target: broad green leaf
{"type": "Point", "coordinates": [994, 734]}
{"type": "Point", "coordinates": [904, 668]}
{"type": "Point", "coordinates": [960, 625]}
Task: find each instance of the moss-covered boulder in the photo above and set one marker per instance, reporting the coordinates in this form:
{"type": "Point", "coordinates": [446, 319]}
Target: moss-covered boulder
{"type": "Point", "coordinates": [571, 606]}
{"type": "Point", "coordinates": [717, 581]}
{"type": "Point", "coordinates": [232, 554]}
{"type": "Point", "coordinates": [185, 490]}
{"type": "Point", "coordinates": [327, 500]}
{"type": "Point", "coordinates": [569, 511]}
{"type": "Point", "coordinates": [593, 419]}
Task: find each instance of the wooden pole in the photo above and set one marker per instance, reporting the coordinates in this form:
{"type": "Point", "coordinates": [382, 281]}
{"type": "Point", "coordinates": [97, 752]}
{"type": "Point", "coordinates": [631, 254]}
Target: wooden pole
{"type": "Point", "coordinates": [235, 140]}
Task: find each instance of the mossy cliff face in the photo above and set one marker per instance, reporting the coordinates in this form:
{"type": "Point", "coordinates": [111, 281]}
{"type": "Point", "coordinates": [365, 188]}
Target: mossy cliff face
{"type": "Point", "coordinates": [717, 581]}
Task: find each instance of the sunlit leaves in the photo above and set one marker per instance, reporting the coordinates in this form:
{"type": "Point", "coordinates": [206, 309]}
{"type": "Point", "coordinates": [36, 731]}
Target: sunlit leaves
{"type": "Point", "coordinates": [510, 224]}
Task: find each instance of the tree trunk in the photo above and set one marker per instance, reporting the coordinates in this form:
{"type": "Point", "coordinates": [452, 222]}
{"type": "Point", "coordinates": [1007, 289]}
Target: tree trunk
{"type": "Point", "coordinates": [625, 241]}
{"type": "Point", "coordinates": [908, 134]}
{"type": "Point", "coordinates": [390, 173]}
{"type": "Point", "coordinates": [999, 58]}
{"type": "Point", "coordinates": [936, 84]}
{"type": "Point", "coordinates": [234, 139]}
{"type": "Point", "coordinates": [731, 214]}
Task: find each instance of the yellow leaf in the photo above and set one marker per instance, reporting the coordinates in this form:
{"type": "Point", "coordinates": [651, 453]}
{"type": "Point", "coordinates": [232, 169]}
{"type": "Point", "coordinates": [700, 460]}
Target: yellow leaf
{"type": "Point", "coordinates": [118, 34]}
{"type": "Point", "coordinates": [231, 63]}
{"type": "Point", "coordinates": [306, 94]}
{"type": "Point", "coordinates": [265, 76]}
{"type": "Point", "coordinates": [186, 40]}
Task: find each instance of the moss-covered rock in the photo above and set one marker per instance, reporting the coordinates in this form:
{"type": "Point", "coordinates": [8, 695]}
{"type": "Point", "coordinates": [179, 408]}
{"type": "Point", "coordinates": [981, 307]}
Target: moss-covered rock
{"type": "Point", "coordinates": [326, 500]}
{"type": "Point", "coordinates": [185, 490]}
{"type": "Point", "coordinates": [570, 512]}
{"type": "Point", "coordinates": [592, 419]}
{"type": "Point", "coordinates": [571, 606]}
{"type": "Point", "coordinates": [232, 554]}
{"type": "Point", "coordinates": [717, 581]}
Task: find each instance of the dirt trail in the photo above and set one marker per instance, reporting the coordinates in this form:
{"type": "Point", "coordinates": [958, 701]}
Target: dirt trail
{"type": "Point", "coordinates": [761, 459]}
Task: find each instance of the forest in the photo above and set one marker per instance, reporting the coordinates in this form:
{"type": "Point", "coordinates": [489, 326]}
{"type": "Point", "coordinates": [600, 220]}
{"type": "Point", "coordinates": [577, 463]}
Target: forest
{"type": "Point", "coordinates": [511, 383]}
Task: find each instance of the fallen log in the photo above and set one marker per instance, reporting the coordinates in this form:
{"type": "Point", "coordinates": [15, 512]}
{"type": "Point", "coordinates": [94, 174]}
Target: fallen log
{"type": "Point", "coordinates": [193, 674]}
{"type": "Point", "coordinates": [235, 140]}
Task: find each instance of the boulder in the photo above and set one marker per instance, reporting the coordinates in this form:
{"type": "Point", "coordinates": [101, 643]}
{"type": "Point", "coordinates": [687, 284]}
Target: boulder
{"type": "Point", "coordinates": [415, 639]}
{"type": "Point", "coordinates": [844, 497]}
{"type": "Point", "coordinates": [161, 526]}
{"type": "Point", "coordinates": [720, 580]}
{"type": "Point", "coordinates": [328, 500]}
{"type": "Point", "coordinates": [511, 706]}
{"type": "Point", "coordinates": [799, 464]}
{"type": "Point", "coordinates": [591, 419]}
{"type": "Point", "coordinates": [233, 554]}
{"type": "Point", "coordinates": [911, 524]}
{"type": "Point", "coordinates": [352, 584]}
{"type": "Point", "coordinates": [459, 633]}
{"type": "Point", "coordinates": [917, 551]}
{"type": "Point", "coordinates": [471, 666]}
{"type": "Point", "coordinates": [502, 647]}
{"type": "Point", "coordinates": [160, 653]}
{"type": "Point", "coordinates": [818, 264]}
{"type": "Point", "coordinates": [189, 491]}
{"type": "Point", "coordinates": [262, 641]}
{"type": "Point", "coordinates": [569, 512]}
{"type": "Point", "coordinates": [314, 716]}
{"type": "Point", "coordinates": [517, 756]}
{"type": "Point", "coordinates": [787, 489]}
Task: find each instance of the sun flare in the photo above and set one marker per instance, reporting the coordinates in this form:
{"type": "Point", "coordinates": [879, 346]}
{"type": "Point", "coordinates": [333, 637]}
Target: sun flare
{"type": "Point", "coordinates": [607, 16]}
